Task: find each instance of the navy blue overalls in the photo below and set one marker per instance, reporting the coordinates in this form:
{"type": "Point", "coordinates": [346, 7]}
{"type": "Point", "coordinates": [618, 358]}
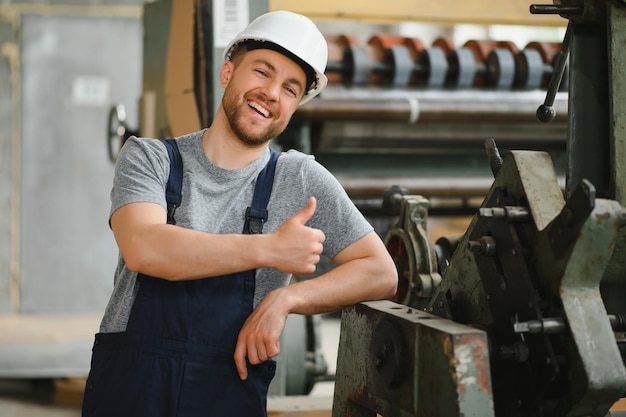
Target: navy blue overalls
{"type": "Point", "coordinates": [176, 356]}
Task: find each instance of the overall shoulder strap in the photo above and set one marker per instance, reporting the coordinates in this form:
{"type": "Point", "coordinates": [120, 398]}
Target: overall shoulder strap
{"type": "Point", "coordinates": [173, 191]}
{"type": "Point", "coordinates": [256, 214]}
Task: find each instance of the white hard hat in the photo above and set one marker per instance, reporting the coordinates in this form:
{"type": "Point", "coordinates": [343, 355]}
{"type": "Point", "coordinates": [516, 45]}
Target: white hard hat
{"type": "Point", "coordinates": [294, 33]}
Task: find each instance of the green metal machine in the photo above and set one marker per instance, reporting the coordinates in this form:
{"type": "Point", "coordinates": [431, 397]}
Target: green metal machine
{"type": "Point", "coordinates": [523, 316]}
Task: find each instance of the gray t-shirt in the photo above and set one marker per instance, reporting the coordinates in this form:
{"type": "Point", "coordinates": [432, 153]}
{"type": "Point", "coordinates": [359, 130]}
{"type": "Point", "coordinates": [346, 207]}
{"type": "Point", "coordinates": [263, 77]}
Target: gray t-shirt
{"type": "Point", "coordinates": [215, 200]}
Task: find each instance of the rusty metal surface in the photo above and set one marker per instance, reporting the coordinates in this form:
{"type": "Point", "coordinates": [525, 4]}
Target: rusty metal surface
{"type": "Point", "coordinates": [397, 361]}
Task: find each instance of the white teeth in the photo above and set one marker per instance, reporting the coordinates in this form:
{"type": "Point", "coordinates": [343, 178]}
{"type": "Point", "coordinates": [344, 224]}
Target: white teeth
{"type": "Point", "coordinates": [258, 108]}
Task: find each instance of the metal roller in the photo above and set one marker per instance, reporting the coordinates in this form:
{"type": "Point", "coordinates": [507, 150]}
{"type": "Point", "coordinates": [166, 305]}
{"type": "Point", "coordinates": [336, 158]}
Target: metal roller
{"type": "Point", "coordinates": [463, 68]}
{"type": "Point", "coordinates": [358, 66]}
{"type": "Point", "coordinates": [397, 62]}
{"type": "Point", "coordinates": [531, 70]}
{"type": "Point", "coordinates": [414, 45]}
{"type": "Point", "coordinates": [337, 45]}
{"type": "Point", "coordinates": [496, 66]}
{"type": "Point", "coordinates": [433, 61]}
{"type": "Point", "coordinates": [549, 52]}
{"type": "Point", "coordinates": [378, 49]}
{"type": "Point", "coordinates": [399, 58]}
{"type": "Point", "coordinates": [445, 43]}
{"type": "Point", "coordinates": [500, 69]}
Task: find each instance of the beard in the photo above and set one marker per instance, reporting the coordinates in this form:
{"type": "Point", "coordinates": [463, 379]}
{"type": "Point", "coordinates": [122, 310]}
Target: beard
{"type": "Point", "coordinates": [242, 126]}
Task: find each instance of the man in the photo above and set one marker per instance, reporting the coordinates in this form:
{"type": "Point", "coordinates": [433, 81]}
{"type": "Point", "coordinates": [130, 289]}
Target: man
{"type": "Point", "coordinates": [198, 307]}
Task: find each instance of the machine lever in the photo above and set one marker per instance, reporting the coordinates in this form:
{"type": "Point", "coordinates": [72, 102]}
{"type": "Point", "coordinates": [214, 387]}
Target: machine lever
{"type": "Point", "coordinates": [555, 9]}
{"type": "Point", "coordinates": [546, 112]}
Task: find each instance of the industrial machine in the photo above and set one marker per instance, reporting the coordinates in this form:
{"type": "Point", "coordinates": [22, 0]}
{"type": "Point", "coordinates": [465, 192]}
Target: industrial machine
{"type": "Point", "coordinates": [523, 315]}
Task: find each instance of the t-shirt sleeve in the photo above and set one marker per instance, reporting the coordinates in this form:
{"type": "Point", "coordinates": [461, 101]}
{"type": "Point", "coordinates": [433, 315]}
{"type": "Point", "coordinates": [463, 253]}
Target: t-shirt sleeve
{"type": "Point", "coordinates": [141, 174]}
{"type": "Point", "coordinates": [336, 215]}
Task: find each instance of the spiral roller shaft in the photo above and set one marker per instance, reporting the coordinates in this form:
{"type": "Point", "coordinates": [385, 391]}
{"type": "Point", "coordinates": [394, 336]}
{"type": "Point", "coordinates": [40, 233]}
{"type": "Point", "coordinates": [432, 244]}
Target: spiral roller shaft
{"type": "Point", "coordinates": [404, 62]}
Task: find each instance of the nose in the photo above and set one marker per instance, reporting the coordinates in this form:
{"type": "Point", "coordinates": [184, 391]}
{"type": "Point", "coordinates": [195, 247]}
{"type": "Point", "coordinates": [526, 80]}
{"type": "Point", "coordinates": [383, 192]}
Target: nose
{"type": "Point", "coordinates": [271, 90]}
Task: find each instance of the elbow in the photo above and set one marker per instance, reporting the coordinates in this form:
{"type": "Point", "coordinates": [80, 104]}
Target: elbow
{"type": "Point", "coordinates": [140, 266]}
{"type": "Point", "coordinates": [134, 261]}
{"type": "Point", "coordinates": [144, 263]}
{"type": "Point", "coordinates": [133, 251]}
{"type": "Point", "coordinates": [139, 261]}
{"type": "Point", "coordinates": [388, 279]}
{"type": "Point", "coordinates": [390, 284]}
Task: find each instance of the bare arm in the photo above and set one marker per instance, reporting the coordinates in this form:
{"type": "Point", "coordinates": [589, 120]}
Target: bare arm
{"type": "Point", "coordinates": [152, 247]}
{"type": "Point", "coordinates": [364, 271]}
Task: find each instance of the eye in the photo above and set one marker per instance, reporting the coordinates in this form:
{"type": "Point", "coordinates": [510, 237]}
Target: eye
{"type": "Point", "coordinates": [261, 72]}
{"type": "Point", "coordinates": [291, 91]}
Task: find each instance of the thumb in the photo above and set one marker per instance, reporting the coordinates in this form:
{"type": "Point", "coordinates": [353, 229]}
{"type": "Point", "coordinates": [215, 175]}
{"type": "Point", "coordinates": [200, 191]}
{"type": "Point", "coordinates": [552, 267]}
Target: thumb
{"type": "Point", "coordinates": [306, 213]}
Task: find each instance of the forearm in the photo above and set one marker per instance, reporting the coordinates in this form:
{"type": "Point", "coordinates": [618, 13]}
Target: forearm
{"type": "Point", "coordinates": [345, 285]}
{"type": "Point", "coordinates": [152, 247]}
{"type": "Point", "coordinates": [176, 253]}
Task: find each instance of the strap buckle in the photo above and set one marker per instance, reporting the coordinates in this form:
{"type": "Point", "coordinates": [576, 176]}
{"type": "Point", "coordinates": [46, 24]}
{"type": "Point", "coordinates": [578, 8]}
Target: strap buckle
{"type": "Point", "coordinates": [255, 218]}
{"type": "Point", "coordinates": [171, 210]}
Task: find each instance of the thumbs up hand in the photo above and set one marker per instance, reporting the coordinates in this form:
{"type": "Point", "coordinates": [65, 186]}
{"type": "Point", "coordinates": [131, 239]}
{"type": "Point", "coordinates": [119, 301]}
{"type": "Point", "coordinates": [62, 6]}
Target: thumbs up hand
{"type": "Point", "coordinates": [296, 248]}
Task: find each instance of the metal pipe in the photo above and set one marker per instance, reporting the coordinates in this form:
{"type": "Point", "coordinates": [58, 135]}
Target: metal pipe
{"type": "Point", "coordinates": [418, 106]}
{"type": "Point", "coordinates": [364, 187]}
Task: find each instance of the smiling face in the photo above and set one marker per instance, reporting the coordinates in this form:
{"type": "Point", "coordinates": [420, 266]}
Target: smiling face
{"type": "Point", "coordinates": [262, 91]}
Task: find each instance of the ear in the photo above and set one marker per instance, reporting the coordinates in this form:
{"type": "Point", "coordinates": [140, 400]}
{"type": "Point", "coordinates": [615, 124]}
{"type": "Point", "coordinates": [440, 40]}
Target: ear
{"type": "Point", "coordinates": [225, 73]}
